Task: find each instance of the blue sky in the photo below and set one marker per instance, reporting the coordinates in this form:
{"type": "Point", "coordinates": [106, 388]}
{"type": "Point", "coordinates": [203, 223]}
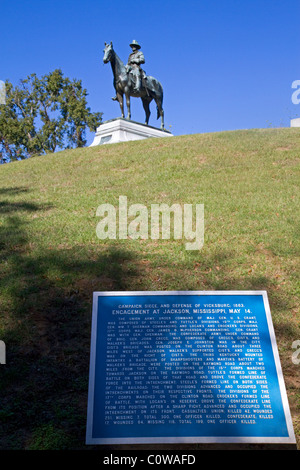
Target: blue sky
{"type": "Point", "coordinates": [223, 64]}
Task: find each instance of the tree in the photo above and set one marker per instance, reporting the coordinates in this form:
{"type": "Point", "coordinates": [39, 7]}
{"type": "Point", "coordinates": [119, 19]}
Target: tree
{"type": "Point", "coordinates": [44, 115]}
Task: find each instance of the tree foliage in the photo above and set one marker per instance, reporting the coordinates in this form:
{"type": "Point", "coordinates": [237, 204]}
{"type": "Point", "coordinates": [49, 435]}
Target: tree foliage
{"type": "Point", "coordinates": [42, 115]}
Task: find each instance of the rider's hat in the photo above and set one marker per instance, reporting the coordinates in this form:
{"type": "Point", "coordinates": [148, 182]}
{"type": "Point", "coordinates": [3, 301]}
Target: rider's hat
{"type": "Point", "coordinates": [135, 43]}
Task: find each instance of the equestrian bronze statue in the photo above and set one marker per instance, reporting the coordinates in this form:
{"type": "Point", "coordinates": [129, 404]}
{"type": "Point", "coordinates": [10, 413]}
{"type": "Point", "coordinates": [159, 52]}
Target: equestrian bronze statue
{"type": "Point", "coordinates": [131, 80]}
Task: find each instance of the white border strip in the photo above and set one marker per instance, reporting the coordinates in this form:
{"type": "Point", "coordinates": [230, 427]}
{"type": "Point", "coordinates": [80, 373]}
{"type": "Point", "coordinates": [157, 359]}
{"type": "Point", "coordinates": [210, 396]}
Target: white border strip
{"type": "Point", "coordinates": [185, 439]}
{"type": "Point", "coordinates": [281, 383]}
{"type": "Point", "coordinates": [90, 410]}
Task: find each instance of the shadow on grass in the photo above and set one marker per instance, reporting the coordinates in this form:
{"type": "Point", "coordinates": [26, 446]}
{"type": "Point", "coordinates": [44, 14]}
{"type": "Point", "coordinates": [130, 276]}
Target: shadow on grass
{"type": "Point", "coordinates": [47, 304]}
{"type": "Point", "coordinates": [13, 190]}
{"type": "Point", "coordinates": [46, 319]}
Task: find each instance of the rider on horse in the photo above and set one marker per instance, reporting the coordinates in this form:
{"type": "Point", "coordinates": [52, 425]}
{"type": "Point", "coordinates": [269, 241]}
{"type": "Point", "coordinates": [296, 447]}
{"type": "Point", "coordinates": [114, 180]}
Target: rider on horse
{"type": "Point", "coordinates": [135, 59]}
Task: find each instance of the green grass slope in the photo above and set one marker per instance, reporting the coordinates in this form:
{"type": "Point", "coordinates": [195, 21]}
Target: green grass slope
{"type": "Point", "coordinates": [52, 260]}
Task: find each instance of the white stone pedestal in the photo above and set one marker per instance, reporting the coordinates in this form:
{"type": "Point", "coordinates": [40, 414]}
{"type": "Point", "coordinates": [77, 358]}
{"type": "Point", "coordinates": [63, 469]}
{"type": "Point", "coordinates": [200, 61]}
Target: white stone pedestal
{"type": "Point", "coordinates": [123, 130]}
{"type": "Point", "coordinates": [295, 122]}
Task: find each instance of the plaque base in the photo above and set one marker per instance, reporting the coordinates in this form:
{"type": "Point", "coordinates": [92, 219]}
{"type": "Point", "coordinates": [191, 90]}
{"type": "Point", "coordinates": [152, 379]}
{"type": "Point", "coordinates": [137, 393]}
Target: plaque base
{"type": "Point", "coordinates": [123, 130]}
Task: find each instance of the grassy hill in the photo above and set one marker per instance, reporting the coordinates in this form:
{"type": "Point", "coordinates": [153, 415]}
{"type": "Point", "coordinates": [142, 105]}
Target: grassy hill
{"type": "Point", "coordinates": [52, 260]}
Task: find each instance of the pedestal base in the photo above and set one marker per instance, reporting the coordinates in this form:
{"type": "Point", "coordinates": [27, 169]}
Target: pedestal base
{"type": "Point", "coordinates": [295, 122]}
{"type": "Point", "coordinates": [123, 130]}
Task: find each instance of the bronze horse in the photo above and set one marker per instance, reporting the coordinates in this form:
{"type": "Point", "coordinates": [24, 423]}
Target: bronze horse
{"type": "Point", "coordinates": [123, 84]}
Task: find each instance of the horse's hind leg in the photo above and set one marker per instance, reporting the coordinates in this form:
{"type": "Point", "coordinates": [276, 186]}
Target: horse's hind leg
{"type": "Point", "coordinates": [146, 103]}
{"type": "Point", "coordinates": [162, 118]}
{"type": "Point", "coordinates": [160, 112]}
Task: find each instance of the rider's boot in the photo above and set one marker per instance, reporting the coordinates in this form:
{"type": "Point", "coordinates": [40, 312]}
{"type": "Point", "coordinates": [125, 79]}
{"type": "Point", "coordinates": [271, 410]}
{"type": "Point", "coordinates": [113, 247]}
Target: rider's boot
{"type": "Point", "coordinates": [137, 87]}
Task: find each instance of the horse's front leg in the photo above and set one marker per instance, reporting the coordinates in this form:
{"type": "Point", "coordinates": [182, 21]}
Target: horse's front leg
{"type": "Point", "coordinates": [128, 106]}
{"type": "Point", "coordinates": [121, 103]}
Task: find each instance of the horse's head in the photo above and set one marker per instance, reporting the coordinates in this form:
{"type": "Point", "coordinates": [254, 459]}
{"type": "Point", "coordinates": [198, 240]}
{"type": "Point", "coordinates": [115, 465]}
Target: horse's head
{"type": "Point", "coordinates": [108, 50]}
